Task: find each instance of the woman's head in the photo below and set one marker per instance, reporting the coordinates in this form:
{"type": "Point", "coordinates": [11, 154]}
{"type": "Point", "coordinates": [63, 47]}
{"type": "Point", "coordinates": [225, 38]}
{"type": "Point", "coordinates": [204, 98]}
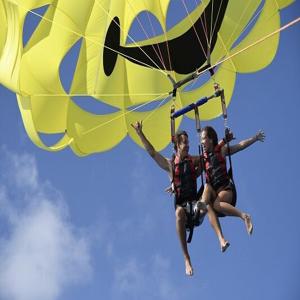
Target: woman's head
{"type": "Point", "coordinates": [181, 141]}
{"type": "Point", "coordinates": [209, 138]}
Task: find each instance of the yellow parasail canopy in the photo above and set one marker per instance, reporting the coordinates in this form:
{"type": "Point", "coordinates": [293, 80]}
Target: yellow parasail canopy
{"type": "Point", "coordinates": [125, 75]}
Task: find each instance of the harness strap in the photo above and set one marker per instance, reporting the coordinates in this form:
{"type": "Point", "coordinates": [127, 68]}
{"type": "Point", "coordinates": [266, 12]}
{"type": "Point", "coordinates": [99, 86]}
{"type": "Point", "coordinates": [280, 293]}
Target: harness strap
{"type": "Point", "coordinates": [224, 112]}
{"type": "Point", "coordinates": [190, 223]}
{"type": "Point", "coordinates": [190, 235]}
{"type": "Point", "coordinates": [200, 149]}
{"type": "Point", "coordinates": [172, 110]}
{"type": "Point", "coordinates": [230, 172]}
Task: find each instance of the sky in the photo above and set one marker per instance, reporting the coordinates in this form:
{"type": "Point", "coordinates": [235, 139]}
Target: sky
{"type": "Point", "coordinates": [102, 227]}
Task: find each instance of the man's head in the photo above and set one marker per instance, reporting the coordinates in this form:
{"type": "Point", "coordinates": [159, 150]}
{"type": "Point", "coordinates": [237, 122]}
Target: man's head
{"type": "Point", "coordinates": [209, 138]}
{"type": "Point", "coordinates": [181, 142]}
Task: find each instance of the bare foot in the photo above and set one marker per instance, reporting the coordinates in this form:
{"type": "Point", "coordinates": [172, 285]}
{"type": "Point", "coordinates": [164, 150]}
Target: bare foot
{"type": "Point", "coordinates": [248, 224]}
{"type": "Point", "coordinates": [188, 268]}
{"type": "Point", "coordinates": [224, 246]}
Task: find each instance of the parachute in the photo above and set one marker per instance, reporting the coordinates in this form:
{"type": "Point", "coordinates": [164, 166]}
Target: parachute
{"type": "Point", "coordinates": [121, 73]}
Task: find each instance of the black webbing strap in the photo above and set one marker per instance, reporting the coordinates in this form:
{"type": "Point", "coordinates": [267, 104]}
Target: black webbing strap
{"type": "Point", "coordinates": [230, 171]}
{"type": "Point", "coordinates": [172, 110]}
{"type": "Point", "coordinates": [224, 112]}
{"type": "Point", "coordinates": [190, 223]}
{"type": "Point", "coordinates": [200, 149]}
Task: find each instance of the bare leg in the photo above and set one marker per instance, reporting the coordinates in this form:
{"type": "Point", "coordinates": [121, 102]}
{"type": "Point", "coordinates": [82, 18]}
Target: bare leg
{"type": "Point", "coordinates": [222, 205]}
{"type": "Point", "coordinates": [208, 193]}
{"type": "Point", "coordinates": [180, 228]}
{"type": "Point", "coordinates": [215, 224]}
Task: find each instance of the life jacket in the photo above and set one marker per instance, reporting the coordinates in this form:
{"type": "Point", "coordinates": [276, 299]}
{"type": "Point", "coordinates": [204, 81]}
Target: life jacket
{"type": "Point", "coordinates": [215, 168]}
{"type": "Point", "coordinates": [184, 180]}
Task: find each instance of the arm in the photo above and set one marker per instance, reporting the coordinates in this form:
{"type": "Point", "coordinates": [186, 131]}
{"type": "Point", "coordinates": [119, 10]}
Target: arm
{"type": "Point", "coordinates": [227, 138]}
{"type": "Point", "coordinates": [159, 159]}
{"type": "Point", "coordinates": [259, 136]}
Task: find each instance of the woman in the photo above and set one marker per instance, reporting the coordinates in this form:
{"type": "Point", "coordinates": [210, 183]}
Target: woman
{"type": "Point", "coordinates": [220, 187]}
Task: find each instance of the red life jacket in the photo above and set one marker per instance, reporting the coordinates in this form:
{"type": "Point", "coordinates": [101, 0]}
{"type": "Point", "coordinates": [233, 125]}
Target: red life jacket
{"type": "Point", "coordinates": [215, 168]}
{"type": "Point", "coordinates": [184, 179]}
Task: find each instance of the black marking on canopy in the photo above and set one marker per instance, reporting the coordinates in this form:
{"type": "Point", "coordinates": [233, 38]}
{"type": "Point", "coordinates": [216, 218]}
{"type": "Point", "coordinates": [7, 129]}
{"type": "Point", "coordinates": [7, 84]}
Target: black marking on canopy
{"type": "Point", "coordinates": [112, 42]}
{"type": "Point", "coordinates": [187, 53]}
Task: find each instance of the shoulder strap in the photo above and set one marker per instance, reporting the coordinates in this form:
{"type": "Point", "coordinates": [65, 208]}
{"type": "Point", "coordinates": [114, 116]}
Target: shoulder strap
{"type": "Point", "coordinates": [173, 166]}
{"type": "Point", "coordinates": [230, 172]}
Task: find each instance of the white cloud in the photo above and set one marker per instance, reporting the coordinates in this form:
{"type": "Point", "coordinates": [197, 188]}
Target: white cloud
{"type": "Point", "coordinates": [148, 280]}
{"type": "Point", "coordinates": [129, 278]}
{"type": "Point", "coordinates": [23, 170]}
{"type": "Point", "coordinates": [42, 253]}
{"type": "Point", "coordinates": [144, 275]}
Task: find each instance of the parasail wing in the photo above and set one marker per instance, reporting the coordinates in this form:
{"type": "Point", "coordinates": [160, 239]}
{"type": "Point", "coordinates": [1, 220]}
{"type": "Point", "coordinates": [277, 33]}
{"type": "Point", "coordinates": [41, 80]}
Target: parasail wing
{"type": "Point", "coordinates": [116, 70]}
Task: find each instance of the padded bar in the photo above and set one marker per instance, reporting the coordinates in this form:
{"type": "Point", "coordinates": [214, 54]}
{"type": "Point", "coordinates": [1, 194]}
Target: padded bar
{"type": "Point", "coordinates": [188, 108]}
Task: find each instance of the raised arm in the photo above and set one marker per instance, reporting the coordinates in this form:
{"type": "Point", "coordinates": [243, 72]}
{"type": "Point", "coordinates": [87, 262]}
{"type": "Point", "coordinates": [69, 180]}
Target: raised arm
{"type": "Point", "coordinates": [259, 136]}
{"type": "Point", "coordinates": [159, 159]}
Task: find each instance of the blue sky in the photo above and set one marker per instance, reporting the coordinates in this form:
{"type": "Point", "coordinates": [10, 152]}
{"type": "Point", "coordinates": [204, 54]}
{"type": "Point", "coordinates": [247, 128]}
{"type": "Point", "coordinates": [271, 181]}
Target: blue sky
{"type": "Point", "coordinates": [101, 227]}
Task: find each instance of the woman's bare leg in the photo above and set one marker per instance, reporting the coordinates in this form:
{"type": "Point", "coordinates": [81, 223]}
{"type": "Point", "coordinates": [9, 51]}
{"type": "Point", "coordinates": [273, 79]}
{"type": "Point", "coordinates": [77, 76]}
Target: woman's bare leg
{"type": "Point", "coordinates": [207, 195]}
{"type": "Point", "coordinates": [222, 204]}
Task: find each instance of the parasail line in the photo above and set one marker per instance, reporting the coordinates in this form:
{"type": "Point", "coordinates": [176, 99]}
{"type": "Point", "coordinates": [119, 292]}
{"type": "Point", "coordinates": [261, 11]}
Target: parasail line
{"type": "Point", "coordinates": [146, 34]}
{"type": "Point", "coordinates": [125, 113]}
{"type": "Point", "coordinates": [211, 14]}
{"type": "Point", "coordinates": [97, 2]}
{"type": "Point", "coordinates": [200, 72]}
{"type": "Point", "coordinates": [259, 41]}
{"type": "Point", "coordinates": [187, 40]}
{"type": "Point", "coordinates": [198, 38]}
{"type": "Point", "coordinates": [166, 40]}
{"type": "Point", "coordinates": [97, 94]}
{"type": "Point", "coordinates": [86, 38]}
{"type": "Point", "coordinates": [214, 27]}
{"type": "Point", "coordinates": [235, 29]}
{"type": "Point", "coordinates": [204, 24]}
{"type": "Point", "coordinates": [155, 34]}
{"type": "Point", "coordinates": [156, 109]}
{"type": "Point", "coordinates": [249, 23]}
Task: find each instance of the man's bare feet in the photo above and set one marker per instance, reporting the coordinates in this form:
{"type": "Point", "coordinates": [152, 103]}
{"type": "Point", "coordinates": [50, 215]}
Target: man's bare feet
{"type": "Point", "coordinates": [188, 267]}
{"type": "Point", "coordinates": [248, 223]}
{"type": "Point", "coordinates": [224, 246]}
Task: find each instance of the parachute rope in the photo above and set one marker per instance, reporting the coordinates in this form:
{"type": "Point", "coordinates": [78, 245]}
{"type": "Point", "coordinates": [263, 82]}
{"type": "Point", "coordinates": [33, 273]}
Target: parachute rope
{"type": "Point", "coordinates": [159, 55]}
{"type": "Point", "coordinates": [196, 33]}
{"type": "Point", "coordinates": [113, 50]}
{"type": "Point", "coordinates": [214, 28]}
{"type": "Point", "coordinates": [294, 22]}
{"type": "Point", "coordinates": [199, 74]}
{"type": "Point", "coordinates": [97, 95]}
{"type": "Point", "coordinates": [167, 43]}
{"type": "Point", "coordinates": [88, 39]}
{"type": "Point", "coordinates": [156, 109]}
{"type": "Point", "coordinates": [229, 41]}
{"type": "Point", "coordinates": [249, 23]}
{"type": "Point", "coordinates": [108, 14]}
{"type": "Point", "coordinates": [127, 112]}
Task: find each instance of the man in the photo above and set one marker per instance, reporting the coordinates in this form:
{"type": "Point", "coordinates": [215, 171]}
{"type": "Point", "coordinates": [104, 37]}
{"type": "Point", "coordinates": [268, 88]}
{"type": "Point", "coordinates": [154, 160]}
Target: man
{"type": "Point", "coordinates": [183, 169]}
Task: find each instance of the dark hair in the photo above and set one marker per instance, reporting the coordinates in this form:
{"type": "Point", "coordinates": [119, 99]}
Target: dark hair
{"type": "Point", "coordinates": [211, 134]}
{"type": "Point", "coordinates": [178, 136]}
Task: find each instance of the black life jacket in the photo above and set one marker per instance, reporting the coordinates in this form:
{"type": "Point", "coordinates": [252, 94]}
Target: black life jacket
{"type": "Point", "coordinates": [215, 168]}
{"type": "Point", "coordinates": [184, 180]}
